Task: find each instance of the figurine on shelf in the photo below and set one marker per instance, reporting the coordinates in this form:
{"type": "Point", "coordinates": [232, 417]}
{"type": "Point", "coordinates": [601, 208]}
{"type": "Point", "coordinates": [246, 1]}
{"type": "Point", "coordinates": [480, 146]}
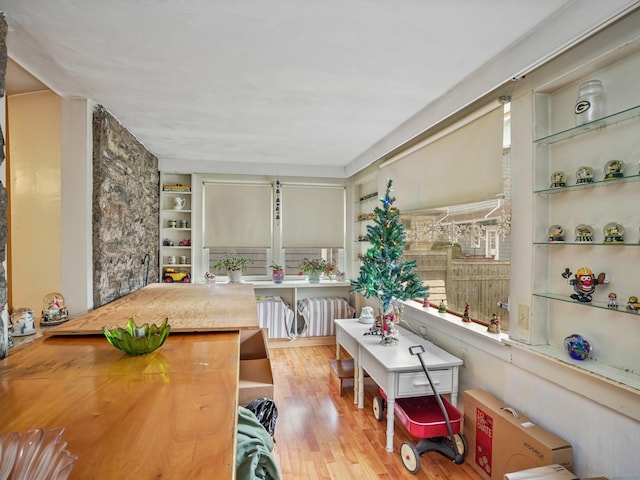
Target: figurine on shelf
{"type": "Point", "coordinates": [584, 175]}
{"type": "Point", "coordinates": [442, 308]}
{"type": "Point", "coordinates": [465, 315]}
{"type": "Point", "coordinates": [584, 233]}
{"type": "Point", "coordinates": [613, 169]}
{"type": "Point", "coordinates": [613, 233]}
{"type": "Point", "coordinates": [556, 233]}
{"type": "Point", "coordinates": [584, 283]}
{"type": "Point", "coordinates": [558, 179]}
{"type": "Point", "coordinates": [613, 300]}
{"type": "Point", "coordinates": [633, 305]}
{"type": "Point", "coordinates": [425, 302]}
{"type": "Point", "coordinates": [494, 324]}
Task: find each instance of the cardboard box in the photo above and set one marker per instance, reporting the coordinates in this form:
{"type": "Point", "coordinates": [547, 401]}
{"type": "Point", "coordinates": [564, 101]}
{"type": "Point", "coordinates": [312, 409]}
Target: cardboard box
{"type": "Point", "coordinates": [256, 377]}
{"type": "Point", "coordinates": [549, 472]}
{"type": "Point", "coordinates": [502, 440]}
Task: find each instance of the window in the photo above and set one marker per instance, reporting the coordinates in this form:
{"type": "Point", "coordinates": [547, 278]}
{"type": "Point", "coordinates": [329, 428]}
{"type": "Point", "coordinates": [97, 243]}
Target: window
{"type": "Point", "coordinates": [458, 219]}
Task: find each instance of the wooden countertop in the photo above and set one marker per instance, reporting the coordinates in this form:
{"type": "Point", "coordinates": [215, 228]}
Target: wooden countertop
{"type": "Point", "coordinates": [189, 307]}
{"type": "Point", "coordinates": [169, 414]}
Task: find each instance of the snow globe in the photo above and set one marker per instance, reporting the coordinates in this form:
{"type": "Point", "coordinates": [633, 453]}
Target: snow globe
{"type": "Point", "coordinates": [584, 175]}
{"type": "Point", "coordinates": [614, 169]}
{"type": "Point", "coordinates": [577, 346]}
{"type": "Point", "coordinates": [54, 311]}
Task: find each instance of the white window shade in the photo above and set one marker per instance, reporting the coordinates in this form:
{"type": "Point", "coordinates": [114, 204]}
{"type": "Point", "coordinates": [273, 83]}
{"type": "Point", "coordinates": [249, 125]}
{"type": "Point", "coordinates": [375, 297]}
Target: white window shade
{"type": "Point", "coordinates": [462, 166]}
{"type": "Point", "coordinates": [313, 216]}
{"type": "Point", "coordinates": [237, 215]}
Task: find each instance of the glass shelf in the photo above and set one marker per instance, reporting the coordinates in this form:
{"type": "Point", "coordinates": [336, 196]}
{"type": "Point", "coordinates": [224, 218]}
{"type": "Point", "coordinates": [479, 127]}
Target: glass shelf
{"type": "Point", "coordinates": [609, 120]}
{"type": "Point", "coordinates": [602, 305]}
{"type": "Point", "coordinates": [595, 183]}
{"type": "Point", "coordinates": [590, 244]}
{"type": "Point", "coordinates": [368, 197]}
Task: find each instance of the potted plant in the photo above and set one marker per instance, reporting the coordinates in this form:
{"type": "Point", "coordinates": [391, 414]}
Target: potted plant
{"type": "Point", "coordinates": [315, 267]}
{"type": "Point", "coordinates": [277, 272]}
{"type": "Point", "coordinates": [234, 265]}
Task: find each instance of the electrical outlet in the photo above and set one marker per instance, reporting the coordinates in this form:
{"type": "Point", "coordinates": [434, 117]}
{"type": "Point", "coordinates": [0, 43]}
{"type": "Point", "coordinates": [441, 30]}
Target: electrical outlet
{"type": "Point", "coordinates": [423, 330]}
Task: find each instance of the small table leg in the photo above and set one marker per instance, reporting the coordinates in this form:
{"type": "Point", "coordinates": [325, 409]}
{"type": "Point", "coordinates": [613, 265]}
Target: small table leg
{"type": "Point", "coordinates": [391, 402]}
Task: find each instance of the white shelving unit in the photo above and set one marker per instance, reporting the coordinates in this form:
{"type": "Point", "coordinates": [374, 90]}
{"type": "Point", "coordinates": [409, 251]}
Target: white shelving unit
{"type": "Point", "coordinates": [176, 245]}
{"type": "Point", "coordinates": [596, 204]}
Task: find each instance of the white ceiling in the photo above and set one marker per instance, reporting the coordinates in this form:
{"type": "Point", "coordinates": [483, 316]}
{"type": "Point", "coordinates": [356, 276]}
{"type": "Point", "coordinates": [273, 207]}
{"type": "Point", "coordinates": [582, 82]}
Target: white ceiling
{"type": "Point", "coordinates": [285, 86]}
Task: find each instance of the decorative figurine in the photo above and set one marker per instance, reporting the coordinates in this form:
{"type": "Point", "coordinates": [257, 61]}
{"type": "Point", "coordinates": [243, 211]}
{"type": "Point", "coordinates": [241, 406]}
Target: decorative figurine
{"type": "Point", "coordinates": [558, 179]}
{"type": "Point", "coordinates": [494, 325]}
{"type": "Point", "coordinates": [442, 308]}
{"type": "Point", "coordinates": [577, 346]}
{"type": "Point", "coordinates": [584, 283]}
{"type": "Point", "coordinates": [54, 311]}
{"type": "Point", "coordinates": [425, 302]}
{"type": "Point", "coordinates": [465, 315]}
{"type": "Point", "coordinates": [613, 233]}
{"type": "Point", "coordinates": [556, 233]}
{"type": "Point", "coordinates": [584, 175]}
{"type": "Point", "coordinates": [584, 233]}
{"type": "Point", "coordinates": [613, 300]}
{"type": "Point", "coordinates": [210, 277]}
{"type": "Point", "coordinates": [614, 169]}
{"type": "Point", "coordinates": [632, 304]}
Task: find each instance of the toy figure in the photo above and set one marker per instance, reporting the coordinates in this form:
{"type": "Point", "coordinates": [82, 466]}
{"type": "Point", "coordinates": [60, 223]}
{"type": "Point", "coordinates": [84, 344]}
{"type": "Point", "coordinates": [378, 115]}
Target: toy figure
{"type": "Point", "coordinates": [584, 283]}
{"type": "Point", "coordinates": [465, 315]}
{"type": "Point", "coordinates": [442, 308]}
{"type": "Point", "coordinates": [494, 325]}
{"type": "Point", "coordinates": [425, 302]}
{"type": "Point", "coordinates": [633, 305]}
{"type": "Point", "coordinates": [613, 301]}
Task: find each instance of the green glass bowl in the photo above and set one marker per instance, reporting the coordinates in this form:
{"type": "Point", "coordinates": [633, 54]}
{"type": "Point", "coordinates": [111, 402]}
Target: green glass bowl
{"type": "Point", "coordinates": [134, 340]}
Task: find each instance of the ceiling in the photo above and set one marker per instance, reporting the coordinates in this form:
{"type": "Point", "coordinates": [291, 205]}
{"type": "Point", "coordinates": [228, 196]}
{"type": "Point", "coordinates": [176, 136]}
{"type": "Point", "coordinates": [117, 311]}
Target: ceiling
{"type": "Point", "coordinates": [284, 86]}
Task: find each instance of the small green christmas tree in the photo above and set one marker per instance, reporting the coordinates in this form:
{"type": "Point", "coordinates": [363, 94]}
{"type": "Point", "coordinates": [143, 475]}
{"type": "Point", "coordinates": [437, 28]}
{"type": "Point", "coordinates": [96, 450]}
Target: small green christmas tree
{"type": "Point", "coordinates": [383, 274]}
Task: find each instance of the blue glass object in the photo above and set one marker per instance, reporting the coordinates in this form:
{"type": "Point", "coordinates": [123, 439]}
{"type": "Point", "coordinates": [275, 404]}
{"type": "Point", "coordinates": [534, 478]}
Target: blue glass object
{"type": "Point", "coordinates": [577, 346]}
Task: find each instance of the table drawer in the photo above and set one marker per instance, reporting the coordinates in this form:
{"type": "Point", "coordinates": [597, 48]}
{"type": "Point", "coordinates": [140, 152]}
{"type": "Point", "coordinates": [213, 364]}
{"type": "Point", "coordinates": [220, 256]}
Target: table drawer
{"type": "Point", "coordinates": [412, 384]}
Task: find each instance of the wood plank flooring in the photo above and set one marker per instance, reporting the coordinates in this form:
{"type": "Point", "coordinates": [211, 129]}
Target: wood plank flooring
{"type": "Point", "coordinates": [321, 435]}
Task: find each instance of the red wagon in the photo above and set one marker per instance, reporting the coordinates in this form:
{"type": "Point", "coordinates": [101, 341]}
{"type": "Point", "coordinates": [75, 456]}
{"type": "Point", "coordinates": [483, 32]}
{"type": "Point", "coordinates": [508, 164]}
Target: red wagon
{"type": "Point", "coordinates": [432, 419]}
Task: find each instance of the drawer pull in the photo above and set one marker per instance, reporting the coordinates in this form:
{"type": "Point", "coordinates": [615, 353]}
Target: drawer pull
{"type": "Point", "coordinates": [425, 383]}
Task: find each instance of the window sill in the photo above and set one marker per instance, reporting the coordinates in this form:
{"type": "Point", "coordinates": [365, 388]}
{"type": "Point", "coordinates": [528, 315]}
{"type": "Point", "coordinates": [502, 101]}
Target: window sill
{"type": "Point", "coordinates": [608, 386]}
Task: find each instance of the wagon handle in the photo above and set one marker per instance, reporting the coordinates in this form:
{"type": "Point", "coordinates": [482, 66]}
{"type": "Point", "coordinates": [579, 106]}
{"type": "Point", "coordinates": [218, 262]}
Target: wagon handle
{"type": "Point", "coordinates": [419, 350]}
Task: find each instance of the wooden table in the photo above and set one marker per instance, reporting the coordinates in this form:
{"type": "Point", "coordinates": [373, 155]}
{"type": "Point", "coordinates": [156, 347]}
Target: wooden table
{"type": "Point", "coordinates": [394, 369]}
{"type": "Point", "coordinates": [169, 414]}
{"type": "Point", "coordinates": [189, 307]}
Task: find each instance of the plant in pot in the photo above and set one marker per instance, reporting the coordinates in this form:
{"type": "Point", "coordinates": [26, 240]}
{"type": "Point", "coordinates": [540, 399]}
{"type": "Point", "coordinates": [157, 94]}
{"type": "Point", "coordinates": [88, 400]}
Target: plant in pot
{"type": "Point", "coordinates": [314, 268]}
{"type": "Point", "coordinates": [233, 265]}
{"type": "Point", "coordinates": [277, 272]}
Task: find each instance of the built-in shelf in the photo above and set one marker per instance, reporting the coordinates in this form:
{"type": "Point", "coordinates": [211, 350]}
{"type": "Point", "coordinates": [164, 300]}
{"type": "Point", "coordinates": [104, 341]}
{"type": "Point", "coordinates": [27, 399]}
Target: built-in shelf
{"type": "Point", "coordinates": [595, 183]}
{"type": "Point", "coordinates": [609, 120]}
{"type": "Point", "coordinates": [590, 244]}
{"type": "Point", "coordinates": [593, 304]}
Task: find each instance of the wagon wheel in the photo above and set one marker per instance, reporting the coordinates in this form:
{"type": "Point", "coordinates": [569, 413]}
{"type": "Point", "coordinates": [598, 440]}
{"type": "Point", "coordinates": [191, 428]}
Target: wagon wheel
{"type": "Point", "coordinates": [168, 280]}
{"type": "Point", "coordinates": [461, 445]}
{"type": "Point", "coordinates": [378, 408]}
{"type": "Point", "coordinates": [410, 457]}
{"type": "Point", "coordinates": [186, 280]}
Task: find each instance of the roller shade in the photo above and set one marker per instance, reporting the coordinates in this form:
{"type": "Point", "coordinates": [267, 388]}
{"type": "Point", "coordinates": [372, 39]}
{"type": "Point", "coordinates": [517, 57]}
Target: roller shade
{"type": "Point", "coordinates": [237, 215]}
{"type": "Point", "coordinates": [463, 166]}
{"type": "Point", "coordinates": [313, 216]}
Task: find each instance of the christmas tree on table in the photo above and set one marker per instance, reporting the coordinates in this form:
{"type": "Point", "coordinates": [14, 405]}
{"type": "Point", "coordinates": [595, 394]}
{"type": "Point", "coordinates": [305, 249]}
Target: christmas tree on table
{"type": "Point", "coordinates": [383, 274]}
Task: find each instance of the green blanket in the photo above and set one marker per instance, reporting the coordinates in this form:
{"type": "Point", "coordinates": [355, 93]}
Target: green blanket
{"type": "Point", "coordinates": [253, 455]}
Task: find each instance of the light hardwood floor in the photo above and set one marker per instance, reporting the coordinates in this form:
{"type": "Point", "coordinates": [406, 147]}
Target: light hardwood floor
{"type": "Point", "coordinates": [321, 435]}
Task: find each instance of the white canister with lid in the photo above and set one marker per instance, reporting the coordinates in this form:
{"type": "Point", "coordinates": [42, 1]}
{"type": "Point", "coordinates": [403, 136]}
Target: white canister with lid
{"type": "Point", "coordinates": [590, 103]}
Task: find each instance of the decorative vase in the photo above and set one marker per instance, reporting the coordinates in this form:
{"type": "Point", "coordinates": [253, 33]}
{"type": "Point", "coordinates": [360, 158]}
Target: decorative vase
{"type": "Point", "coordinates": [577, 346]}
{"type": "Point", "coordinates": [314, 277]}
{"type": "Point", "coordinates": [235, 276]}
{"type": "Point", "coordinates": [277, 276]}
{"type": "Point", "coordinates": [388, 331]}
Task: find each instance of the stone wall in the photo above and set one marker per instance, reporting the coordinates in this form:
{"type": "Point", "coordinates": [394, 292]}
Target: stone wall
{"type": "Point", "coordinates": [125, 211]}
{"type": "Point", "coordinates": [4, 336]}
